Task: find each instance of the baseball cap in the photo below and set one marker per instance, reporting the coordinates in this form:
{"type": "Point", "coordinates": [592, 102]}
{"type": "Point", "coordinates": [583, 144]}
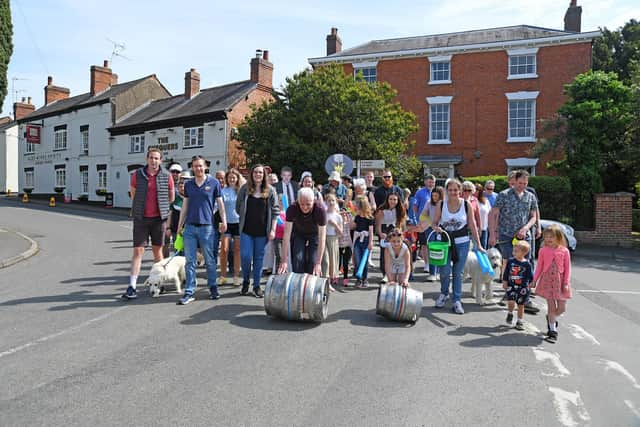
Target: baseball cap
{"type": "Point", "coordinates": [175, 167]}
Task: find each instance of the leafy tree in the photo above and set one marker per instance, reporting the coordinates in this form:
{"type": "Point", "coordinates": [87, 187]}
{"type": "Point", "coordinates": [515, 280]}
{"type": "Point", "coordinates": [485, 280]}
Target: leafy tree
{"type": "Point", "coordinates": [594, 131]}
{"type": "Point", "coordinates": [618, 51]}
{"type": "Point", "coordinates": [6, 45]}
{"type": "Point", "coordinates": [322, 112]}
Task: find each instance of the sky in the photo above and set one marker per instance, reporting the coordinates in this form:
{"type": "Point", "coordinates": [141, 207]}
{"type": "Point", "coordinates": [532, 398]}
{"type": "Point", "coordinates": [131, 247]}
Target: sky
{"type": "Point", "coordinates": [63, 38]}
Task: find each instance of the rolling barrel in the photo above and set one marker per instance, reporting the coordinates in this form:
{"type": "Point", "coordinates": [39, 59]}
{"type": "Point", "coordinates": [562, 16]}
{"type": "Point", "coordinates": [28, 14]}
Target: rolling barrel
{"type": "Point", "coordinates": [296, 296]}
{"type": "Point", "coordinates": [398, 303]}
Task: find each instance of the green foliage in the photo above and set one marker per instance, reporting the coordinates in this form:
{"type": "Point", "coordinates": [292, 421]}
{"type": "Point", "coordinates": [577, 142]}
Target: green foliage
{"type": "Point", "coordinates": [594, 133]}
{"type": "Point", "coordinates": [635, 220]}
{"type": "Point", "coordinates": [554, 194]}
{"type": "Point", "coordinates": [322, 112]}
{"type": "Point", "coordinates": [638, 193]}
{"type": "Point", "coordinates": [6, 45]}
{"type": "Point", "coordinates": [618, 51]}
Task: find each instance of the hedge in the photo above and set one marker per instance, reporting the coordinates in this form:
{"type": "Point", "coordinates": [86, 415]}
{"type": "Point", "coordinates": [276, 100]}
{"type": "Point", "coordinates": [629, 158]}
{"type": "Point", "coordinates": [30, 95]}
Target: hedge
{"type": "Point", "coordinates": [554, 194]}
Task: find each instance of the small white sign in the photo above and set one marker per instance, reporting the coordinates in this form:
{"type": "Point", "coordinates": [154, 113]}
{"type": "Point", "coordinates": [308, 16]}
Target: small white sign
{"type": "Point", "coordinates": [371, 164]}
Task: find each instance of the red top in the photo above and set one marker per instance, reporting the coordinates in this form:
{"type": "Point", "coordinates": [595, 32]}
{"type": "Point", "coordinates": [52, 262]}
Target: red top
{"type": "Point", "coordinates": [151, 209]}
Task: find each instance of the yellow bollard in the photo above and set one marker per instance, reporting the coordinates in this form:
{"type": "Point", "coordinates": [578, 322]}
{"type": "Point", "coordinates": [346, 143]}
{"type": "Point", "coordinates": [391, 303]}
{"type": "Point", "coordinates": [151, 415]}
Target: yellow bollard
{"type": "Point", "coordinates": [25, 198]}
{"type": "Point", "coordinates": [52, 202]}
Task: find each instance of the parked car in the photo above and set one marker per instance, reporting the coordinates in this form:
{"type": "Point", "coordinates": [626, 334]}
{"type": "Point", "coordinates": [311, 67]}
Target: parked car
{"type": "Point", "coordinates": [566, 229]}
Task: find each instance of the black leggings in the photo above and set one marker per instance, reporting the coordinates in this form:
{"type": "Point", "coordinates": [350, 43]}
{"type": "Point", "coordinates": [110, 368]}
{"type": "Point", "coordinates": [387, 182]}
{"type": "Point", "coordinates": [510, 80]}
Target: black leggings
{"type": "Point", "coordinates": [345, 258]}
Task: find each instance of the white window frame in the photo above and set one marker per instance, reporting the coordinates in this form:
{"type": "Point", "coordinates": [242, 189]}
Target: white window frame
{"type": "Point", "coordinates": [522, 96]}
{"type": "Point", "coordinates": [434, 60]}
{"type": "Point", "coordinates": [61, 177]}
{"type": "Point", "coordinates": [439, 100]}
{"type": "Point", "coordinates": [193, 137]}
{"type": "Point", "coordinates": [136, 144]}
{"type": "Point", "coordinates": [84, 141]}
{"type": "Point", "coordinates": [29, 178]}
{"type": "Point", "coordinates": [361, 66]}
{"type": "Point", "coordinates": [60, 139]}
{"type": "Point", "coordinates": [102, 180]}
{"type": "Point", "coordinates": [522, 53]}
{"type": "Point", "coordinates": [29, 148]}
{"type": "Point", "coordinates": [522, 163]}
{"type": "Point", "coordinates": [84, 181]}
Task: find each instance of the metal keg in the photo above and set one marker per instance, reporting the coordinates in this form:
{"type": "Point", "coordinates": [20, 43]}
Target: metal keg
{"type": "Point", "coordinates": [296, 296]}
{"type": "Point", "coordinates": [399, 303]}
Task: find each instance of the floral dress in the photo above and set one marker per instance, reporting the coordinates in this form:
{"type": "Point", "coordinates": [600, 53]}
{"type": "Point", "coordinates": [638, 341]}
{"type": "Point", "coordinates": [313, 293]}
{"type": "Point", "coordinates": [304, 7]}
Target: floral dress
{"type": "Point", "coordinates": [553, 270]}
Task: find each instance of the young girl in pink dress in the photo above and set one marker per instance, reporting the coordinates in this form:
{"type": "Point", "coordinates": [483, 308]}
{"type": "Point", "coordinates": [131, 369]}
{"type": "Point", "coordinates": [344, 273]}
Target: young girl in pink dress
{"type": "Point", "coordinates": [552, 277]}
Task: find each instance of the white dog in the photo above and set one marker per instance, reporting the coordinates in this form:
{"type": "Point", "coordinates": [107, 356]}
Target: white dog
{"type": "Point", "coordinates": [479, 278]}
{"type": "Point", "coordinates": [166, 272]}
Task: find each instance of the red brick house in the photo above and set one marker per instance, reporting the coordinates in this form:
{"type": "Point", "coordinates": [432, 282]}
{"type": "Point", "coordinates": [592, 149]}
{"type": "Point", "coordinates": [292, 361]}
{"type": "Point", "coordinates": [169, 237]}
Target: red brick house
{"type": "Point", "coordinates": [479, 96]}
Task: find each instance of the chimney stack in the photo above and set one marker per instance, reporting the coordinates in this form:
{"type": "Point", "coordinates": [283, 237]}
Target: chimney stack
{"type": "Point", "coordinates": [334, 44]}
{"type": "Point", "coordinates": [191, 83]}
{"type": "Point", "coordinates": [573, 17]}
{"type": "Point", "coordinates": [23, 108]}
{"type": "Point", "coordinates": [53, 93]}
{"type": "Point", "coordinates": [100, 78]}
{"type": "Point", "coordinates": [262, 70]}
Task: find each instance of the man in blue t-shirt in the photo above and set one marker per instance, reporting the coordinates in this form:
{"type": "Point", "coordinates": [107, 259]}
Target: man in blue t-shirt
{"type": "Point", "coordinates": [201, 197]}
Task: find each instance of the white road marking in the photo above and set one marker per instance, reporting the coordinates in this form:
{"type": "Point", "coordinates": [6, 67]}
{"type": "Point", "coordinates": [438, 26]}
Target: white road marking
{"type": "Point", "coordinates": [633, 408]}
{"type": "Point", "coordinates": [562, 400]}
{"type": "Point", "coordinates": [554, 358]}
{"type": "Point", "coordinates": [57, 334]}
{"type": "Point", "coordinates": [611, 365]}
{"type": "Point", "coordinates": [601, 291]}
{"type": "Point", "coordinates": [579, 333]}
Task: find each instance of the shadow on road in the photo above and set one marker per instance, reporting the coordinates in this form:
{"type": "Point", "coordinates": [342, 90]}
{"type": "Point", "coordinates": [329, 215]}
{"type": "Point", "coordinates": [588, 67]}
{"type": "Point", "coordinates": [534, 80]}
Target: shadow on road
{"type": "Point", "coordinates": [367, 318]}
{"type": "Point", "coordinates": [495, 336]}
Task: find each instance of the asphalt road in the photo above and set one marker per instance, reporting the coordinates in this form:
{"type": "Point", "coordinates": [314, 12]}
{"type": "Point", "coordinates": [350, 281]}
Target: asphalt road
{"type": "Point", "coordinates": [73, 354]}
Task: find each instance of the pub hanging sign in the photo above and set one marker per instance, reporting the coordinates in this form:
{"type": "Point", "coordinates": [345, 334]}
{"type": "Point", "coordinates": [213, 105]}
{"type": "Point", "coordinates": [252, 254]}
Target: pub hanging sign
{"type": "Point", "coordinates": [33, 134]}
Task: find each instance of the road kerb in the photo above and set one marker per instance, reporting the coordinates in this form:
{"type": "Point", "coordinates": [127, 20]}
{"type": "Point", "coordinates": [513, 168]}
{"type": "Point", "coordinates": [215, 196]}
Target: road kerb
{"type": "Point", "coordinates": [33, 249]}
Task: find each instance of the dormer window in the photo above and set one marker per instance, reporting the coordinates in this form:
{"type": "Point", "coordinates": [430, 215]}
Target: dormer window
{"type": "Point", "coordinates": [523, 63]}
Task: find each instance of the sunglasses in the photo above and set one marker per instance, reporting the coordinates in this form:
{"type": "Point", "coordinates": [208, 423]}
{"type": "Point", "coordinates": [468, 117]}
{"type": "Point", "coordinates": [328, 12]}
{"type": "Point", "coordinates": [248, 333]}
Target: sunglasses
{"type": "Point", "coordinates": [468, 191]}
{"type": "Point", "coordinates": [386, 177]}
{"type": "Point", "coordinates": [175, 171]}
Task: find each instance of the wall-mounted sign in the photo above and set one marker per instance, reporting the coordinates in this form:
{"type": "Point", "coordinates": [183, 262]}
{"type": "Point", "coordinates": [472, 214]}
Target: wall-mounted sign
{"type": "Point", "coordinates": [33, 134]}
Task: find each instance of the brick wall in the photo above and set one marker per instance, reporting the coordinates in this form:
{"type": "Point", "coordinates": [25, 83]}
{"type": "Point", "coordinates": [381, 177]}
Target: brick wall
{"type": "Point", "coordinates": [235, 156]}
{"type": "Point", "coordinates": [613, 221]}
{"type": "Point", "coordinates": [479, 109]}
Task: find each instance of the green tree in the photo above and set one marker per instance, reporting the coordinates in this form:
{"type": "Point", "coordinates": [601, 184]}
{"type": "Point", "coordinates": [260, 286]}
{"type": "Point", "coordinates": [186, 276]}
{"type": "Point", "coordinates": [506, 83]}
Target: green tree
{"type": "Point", "coordinates": [322, 112]}
{"type": "Point", "coordinates": [618, 51]}
{"type": "Point", "coordinates": [6, 45]}
{"type": "Point", "coordinates": [594, 132]}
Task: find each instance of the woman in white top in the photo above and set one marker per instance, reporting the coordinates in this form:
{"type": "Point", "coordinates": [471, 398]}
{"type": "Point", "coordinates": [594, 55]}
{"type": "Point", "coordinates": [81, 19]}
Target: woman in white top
{"type": "Point", "coordinates": [485, 207]}
{"type": "Point", "coordinates": [455, 217]}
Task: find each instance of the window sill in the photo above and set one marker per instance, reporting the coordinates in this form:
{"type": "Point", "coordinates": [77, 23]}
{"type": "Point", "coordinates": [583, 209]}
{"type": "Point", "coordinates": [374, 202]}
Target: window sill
{"type": "Point", "coordinates": [195, 146]}
{"type": "Point", "coordinates": [522, 76]}
{"type": "Point", "coordinates": [521, 139]}
{"type": "Point", "coordinates": [439, 82]}
{"type": "Point", "coordinates": [60, 149]}
{"type": "Point", "coordinates": [136, 152]}
{"type": "Point", "coordinates": [439, 142]}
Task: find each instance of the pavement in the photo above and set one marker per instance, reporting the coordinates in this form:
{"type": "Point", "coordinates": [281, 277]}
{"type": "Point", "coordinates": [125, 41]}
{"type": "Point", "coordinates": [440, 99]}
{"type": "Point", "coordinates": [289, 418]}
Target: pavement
{"type": "Point", "coordinates": [15, 247]}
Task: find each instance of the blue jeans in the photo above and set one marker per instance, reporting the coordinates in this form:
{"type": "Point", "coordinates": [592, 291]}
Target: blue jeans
{"type": "Point", "coordinates": [358, 252]}
{"type": "Point", "coordinates": [304, 251]}
{"type": "Point", "coordinates": [206, 237]}
{"type": "Point", "coordinates": [458, 267]}
{"type": "Point", "coordinates": [433, 269]}
{"type": "Point", "coordinates": [252, 251]}
{"type": "Point", "coordinates": [484, 239]}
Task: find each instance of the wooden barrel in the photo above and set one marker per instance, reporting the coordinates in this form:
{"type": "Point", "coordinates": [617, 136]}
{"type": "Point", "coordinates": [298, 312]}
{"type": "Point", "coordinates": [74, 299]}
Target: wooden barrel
{"type": "Point", "coordinates": [399, 303]}
{"type": "Point", "coordinates": [296, 296]}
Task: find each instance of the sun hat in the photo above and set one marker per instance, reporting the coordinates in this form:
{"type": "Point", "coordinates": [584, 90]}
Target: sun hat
{"type": "Point", "coordinates": [335, 176]}
{"type": "Point", "coordinates": [175, 167]}
{"type": "Point", "coordinates": [304, 175]}
{"type": "Point", "coordinates": [186, 175]}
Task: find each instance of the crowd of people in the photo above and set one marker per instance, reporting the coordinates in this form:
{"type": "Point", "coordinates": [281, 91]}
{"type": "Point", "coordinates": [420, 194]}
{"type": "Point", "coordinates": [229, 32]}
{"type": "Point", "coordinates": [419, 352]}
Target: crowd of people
{"type": "Point", "coordinates": [270, 224]}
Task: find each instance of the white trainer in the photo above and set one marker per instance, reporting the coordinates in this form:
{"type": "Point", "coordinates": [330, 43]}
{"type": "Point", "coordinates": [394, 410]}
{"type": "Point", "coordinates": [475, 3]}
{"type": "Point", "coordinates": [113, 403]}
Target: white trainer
{"type": "Point", "coordinates": [441, 300]}
{"type": "Point", "coordinates": [457, 307]}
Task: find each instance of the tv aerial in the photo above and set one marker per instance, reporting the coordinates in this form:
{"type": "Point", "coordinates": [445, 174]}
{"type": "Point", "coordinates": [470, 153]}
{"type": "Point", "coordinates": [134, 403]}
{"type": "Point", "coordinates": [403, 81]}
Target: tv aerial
{"type": "Point", "coordinates": [117, 50]}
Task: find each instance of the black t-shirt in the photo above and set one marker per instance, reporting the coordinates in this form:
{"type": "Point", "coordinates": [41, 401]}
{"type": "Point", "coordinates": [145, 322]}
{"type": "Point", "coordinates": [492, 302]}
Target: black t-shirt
{"type": "Point", "coordinates": [306, 224]}
{"type": "Point", "coordinates": [518, 273]}
{"type": "Point", "coordinates": [362, 223]}
{"type": "Point", "coordinates": [255, 223]}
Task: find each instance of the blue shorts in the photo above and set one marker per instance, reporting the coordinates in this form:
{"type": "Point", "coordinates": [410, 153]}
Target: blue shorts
{"type": "Point", "coordinates": [519, 294]}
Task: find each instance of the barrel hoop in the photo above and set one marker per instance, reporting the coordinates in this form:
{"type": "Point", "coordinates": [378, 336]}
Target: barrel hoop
{"type": "Point", "coordinates": [288, 285]}
{"type": "Point", "coordinates": [304, 289]}
{"type": "Point", "coordinates": [396, 311]}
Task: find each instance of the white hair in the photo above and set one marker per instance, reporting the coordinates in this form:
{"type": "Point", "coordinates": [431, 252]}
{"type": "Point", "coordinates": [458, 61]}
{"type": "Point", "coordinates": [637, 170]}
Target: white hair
{"type": "Point", "coordinates": [359, 182]}
{"type": "Point", "coordinates": [306, 193]}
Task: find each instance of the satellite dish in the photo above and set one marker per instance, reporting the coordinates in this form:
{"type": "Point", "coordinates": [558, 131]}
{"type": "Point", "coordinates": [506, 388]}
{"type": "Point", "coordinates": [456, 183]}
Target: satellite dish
{"type": "Point", "coordinates": [340, 163]}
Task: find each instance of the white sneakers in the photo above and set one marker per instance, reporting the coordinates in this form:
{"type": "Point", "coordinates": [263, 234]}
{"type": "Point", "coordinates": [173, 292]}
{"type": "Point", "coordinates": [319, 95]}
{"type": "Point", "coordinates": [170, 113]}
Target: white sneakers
{"type": "Point", "coordinates": [457, 308]}
{"type": "Point", "coordinates": [441, 300]}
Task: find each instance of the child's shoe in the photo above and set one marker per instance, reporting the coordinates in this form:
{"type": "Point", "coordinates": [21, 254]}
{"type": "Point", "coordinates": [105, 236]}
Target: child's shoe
{"type": "Point", "coordinates": [519, 325]}
{"type": "Point", "coordinates": [345, 282]}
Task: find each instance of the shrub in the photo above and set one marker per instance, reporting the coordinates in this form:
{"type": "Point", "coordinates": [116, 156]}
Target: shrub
{"type": "Point", "coordinates": [635, 221]}
{"type": "Point", "coordinates": [638, 193]}
{"type": "Point", "coordinates": [554, 193]}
